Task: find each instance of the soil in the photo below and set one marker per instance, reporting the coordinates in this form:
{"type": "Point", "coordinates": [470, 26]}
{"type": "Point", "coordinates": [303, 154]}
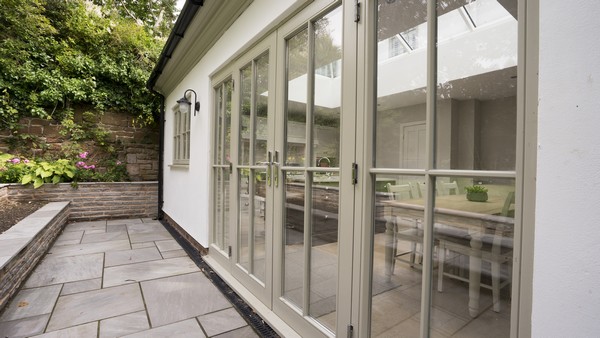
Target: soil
{"type": "Point", "coordinates": [11, 212]}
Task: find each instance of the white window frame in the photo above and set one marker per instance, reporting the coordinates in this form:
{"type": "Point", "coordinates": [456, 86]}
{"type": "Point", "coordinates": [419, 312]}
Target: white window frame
{"type": "Point", "coordinates": [181, 136]}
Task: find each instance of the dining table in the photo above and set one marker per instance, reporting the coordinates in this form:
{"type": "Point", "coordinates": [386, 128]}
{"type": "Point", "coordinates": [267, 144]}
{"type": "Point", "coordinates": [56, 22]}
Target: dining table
{"type": "Point", "coordinates": [454, 215]}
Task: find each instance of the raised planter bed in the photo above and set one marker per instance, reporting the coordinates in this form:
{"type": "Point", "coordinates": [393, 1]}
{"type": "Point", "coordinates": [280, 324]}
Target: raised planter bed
{"type": "Point", "coordinates": [23, 245]}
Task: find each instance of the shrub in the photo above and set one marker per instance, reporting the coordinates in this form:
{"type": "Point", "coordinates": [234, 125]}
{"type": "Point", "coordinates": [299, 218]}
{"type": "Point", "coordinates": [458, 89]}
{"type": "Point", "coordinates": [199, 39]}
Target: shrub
{"type": "Point", "coordinates": [14, 169]}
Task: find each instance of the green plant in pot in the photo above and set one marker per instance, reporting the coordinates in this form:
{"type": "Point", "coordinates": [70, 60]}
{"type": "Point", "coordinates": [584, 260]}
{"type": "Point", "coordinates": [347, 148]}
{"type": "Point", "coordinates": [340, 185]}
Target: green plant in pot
{"type": "Point", "coordinates": [477, 193]}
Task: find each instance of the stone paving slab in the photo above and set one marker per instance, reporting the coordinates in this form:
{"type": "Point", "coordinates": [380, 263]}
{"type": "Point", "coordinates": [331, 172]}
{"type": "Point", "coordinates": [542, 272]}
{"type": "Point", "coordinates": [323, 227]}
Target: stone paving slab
{"type": "Point", "coordinates": [95, 305]}
{"type": "Point", "coordinates": [55, 270]}
{"type": "Point", "coordinates": [132, 279]}
{"type": "Point", "coordinates": [32, 302]}
{"type": "Point", "coordinates": [173, 299]}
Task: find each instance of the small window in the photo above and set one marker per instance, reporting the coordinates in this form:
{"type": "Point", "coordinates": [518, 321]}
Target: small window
{"type": "Point", "coordinates": [181, 136]}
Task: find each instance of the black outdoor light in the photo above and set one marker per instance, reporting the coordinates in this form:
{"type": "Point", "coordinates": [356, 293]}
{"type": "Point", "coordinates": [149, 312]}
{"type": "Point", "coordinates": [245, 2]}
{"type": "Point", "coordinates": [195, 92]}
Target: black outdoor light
{"type": "Point", "coordinates": [185, 105]}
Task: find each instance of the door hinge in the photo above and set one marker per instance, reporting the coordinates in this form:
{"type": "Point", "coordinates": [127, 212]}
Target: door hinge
{"type": "Point", "coordinates": [354, 173]}
{"type": "Point", "coordinates": [230, 168]}
{"type": "Point", "coordinates": [350, 331]}
{"type": "Point", "coordinates": [356, 11]}
{"type": "Point", "coordinates": [229, 251]}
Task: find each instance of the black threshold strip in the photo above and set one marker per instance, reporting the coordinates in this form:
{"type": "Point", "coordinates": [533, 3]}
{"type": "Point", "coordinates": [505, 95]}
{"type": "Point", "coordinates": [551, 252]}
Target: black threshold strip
{"type": "Point", "coordinates": [256, 322]}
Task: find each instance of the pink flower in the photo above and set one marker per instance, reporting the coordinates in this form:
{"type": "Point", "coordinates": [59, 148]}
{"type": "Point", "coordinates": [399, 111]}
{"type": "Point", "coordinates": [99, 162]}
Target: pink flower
{"type": "Point", "coordinates": [25, 161]}
{"type": "Point", "coordinates": [15, 160]}
{"type": "Point", "coordinates": [80, 164]}
{"type": "Point", "coordinates": [118, 162]}
{"type": "Point", "coordinates": [83, 155]}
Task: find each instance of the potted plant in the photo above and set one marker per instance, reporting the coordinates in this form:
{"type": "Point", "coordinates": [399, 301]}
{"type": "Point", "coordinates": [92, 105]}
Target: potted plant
{"type": "Point", "coordinates": [477, 193]}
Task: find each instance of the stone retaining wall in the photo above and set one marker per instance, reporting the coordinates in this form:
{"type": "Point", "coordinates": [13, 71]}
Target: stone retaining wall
{"type": "Point", "coordinates": [25, 244]}
{"type": "Point", "coordinates": [90, 201]}
{"type": "Point", "coordinates": [136, 146]}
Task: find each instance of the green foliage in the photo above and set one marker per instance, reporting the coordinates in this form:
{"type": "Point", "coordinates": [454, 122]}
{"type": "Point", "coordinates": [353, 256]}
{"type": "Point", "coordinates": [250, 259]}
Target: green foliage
{"type": "Point", "coordinates": [476, 189]}
{"type": "Point", "coordinates": [14, 169]}
{"type": "Point", "coordinates": [11, 171]}
{"type": "Point", "coordinates": [48, 172]}
{"type": "Point", "coordinates": [157, 16]}
{"type": "Point", "coordinates": [55, 54]}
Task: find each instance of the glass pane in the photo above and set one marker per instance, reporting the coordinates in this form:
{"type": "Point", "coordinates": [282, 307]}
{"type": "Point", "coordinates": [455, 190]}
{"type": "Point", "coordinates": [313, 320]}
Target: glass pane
{"type": "Point", "coordinates": [324, 252]}
{"type": "Point", "coordinates": [476, 108]}
{"type": "Point", "coordinates": [245, 218]}
{"type": "Point", "coordinates": [219, 121]}
{"type": "Point", "coordinates": [261, 95]}
{"type": "Point", "coordinates": [397, 256]}
{"type": "Point", "coordinates": [226, 206]}
{"type": "Point", "coordinates": [489, 11]}
{"type": "Point", "coordinates": [294, 238]}
{"type": "Point", "coordinates": [245, 112]}
{"type": "Point", "coordinates": [219, 204]}
{"type": "Point", "coordinates": [473, 234]}
{"type": "Point", "coordinates": [260, 215]}
{"type": "Point", "coordinates": [400, 117]}
{"type": "Point", "coordinates": [295, 114]}
{"type": "Point", "coordinates": [228, 88]}
{"type": "Point", "coordinates": [222, 208]}
{"type": "Point", "coordinates": [327, 89]}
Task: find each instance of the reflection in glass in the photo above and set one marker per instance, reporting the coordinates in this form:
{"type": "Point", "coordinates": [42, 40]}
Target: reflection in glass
{"type": "Point", "coordinates": [294, 237]}
{"type": "Point", "coordinates": [295, 113]}
{"type": "Point", "coordinates": [324, 252]}
{"type": "Point", "coordinates": [397, 256]}
{"type": "Point", "coordinates": [327, 89]}
{"type": "Point", "coordinates": [401, 80]}
{"type": "Point", "coordinates": [473, 232]}
{"type": "Point", "coordinates": [260, 205]}
{"type": "Point", "coordinates": [477, 70]}
{"type": "Point", "coordinates": [261, 108]}
{"type": "Point", "coordinates": [245, 217]}
{"type": "Point", "coordinates": [245, 114]}
{"type": "Point", "coordinates": [222, 175]}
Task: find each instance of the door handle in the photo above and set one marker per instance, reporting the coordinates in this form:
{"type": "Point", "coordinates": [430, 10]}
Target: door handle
{"type": "Point", "coordinates": [269, 162]}
{"type": "Point", "coordinates": [276, 173]}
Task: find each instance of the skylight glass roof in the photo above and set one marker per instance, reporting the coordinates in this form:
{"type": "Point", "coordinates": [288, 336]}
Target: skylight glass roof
{"type": "Point", "coordinates": [459, 21]}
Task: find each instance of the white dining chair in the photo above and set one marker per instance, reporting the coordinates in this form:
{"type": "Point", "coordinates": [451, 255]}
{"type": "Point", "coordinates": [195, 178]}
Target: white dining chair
{"type": "Point", "coordinates": [405, 229]}
{"type": "Point", "coordinates": [447, 188]}
{"type": "Point", "coordinates": [497, 250]}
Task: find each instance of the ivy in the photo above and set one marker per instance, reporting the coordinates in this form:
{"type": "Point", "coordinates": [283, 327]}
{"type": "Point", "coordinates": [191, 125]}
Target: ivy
{"type": "Point", "coordinates": [57, 54]}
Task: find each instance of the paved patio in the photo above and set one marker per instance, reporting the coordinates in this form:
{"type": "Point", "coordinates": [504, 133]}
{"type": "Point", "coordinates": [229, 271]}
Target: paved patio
{"type": "Point", "coordinates": [120, 278]}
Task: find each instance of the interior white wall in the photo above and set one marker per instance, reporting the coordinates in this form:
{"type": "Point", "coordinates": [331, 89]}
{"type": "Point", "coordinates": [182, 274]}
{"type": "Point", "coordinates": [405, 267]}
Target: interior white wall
{"type": "Point", "coordinates": [566, 279]}
{"type": "Point", "coordinates": [186, 190]}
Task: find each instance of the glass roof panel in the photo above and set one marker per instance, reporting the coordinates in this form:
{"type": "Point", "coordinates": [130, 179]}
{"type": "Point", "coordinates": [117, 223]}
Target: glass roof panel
{"type": "Point", "coordinates": [486, 11]}
{"type": "Point", "coordinates": [453, 24]}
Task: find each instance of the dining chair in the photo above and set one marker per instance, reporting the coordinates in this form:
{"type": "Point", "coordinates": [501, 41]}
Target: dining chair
{"type": "Point", "coordinates": [419, 189]}
{"type": "Point", "coordinates": [447, 188]}
{"type": "Point", "coordinates": [405, 229]}
{"type": "Point", "coordinates": [496, 249]}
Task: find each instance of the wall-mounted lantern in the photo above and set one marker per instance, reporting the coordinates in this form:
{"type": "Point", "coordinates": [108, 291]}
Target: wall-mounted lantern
{"type": "Point", "coordinates": [185, 105]}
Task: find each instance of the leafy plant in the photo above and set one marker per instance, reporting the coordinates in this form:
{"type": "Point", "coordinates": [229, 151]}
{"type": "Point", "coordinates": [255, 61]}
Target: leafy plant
{"type": "Point", "coordinates": [476, 189]}
{"type": "Point", "coordinates": [49, 172]}
{"type": "Point", "coordinates": [14, 169]}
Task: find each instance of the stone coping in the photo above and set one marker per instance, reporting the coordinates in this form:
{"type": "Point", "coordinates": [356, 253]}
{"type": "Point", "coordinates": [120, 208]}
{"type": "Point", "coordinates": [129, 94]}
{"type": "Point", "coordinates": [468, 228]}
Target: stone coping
{"type": "Point", "coordinates": [24, 244]}
{"type": "Point", "coordinates": [15, 239]}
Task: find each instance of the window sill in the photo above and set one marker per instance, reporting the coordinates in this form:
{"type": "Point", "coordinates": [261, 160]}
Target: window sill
{"type": "Point", "coordinates": [179, 166]}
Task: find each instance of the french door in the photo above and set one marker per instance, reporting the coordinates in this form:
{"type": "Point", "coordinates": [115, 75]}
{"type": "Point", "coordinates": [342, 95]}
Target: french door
{"type": "Point", "coordinates": [282, 177]}
{"type": "Point", "coordinates": [243, 169]}
{"type": "Point", "coordinates": [316, 123]}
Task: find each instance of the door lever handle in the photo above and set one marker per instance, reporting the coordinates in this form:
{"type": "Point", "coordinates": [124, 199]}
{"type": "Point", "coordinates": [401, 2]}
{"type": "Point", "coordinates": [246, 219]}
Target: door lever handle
{"type": "Point", "coordinates": [269, 168]}
{"type": "Point", "coordinates": [276, 173]}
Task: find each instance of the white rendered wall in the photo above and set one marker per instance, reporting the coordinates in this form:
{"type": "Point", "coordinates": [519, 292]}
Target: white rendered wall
{"type": "Point", "coordinates": [186, 190]}
{"type": "Point", "coordinates": [566, 279]}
